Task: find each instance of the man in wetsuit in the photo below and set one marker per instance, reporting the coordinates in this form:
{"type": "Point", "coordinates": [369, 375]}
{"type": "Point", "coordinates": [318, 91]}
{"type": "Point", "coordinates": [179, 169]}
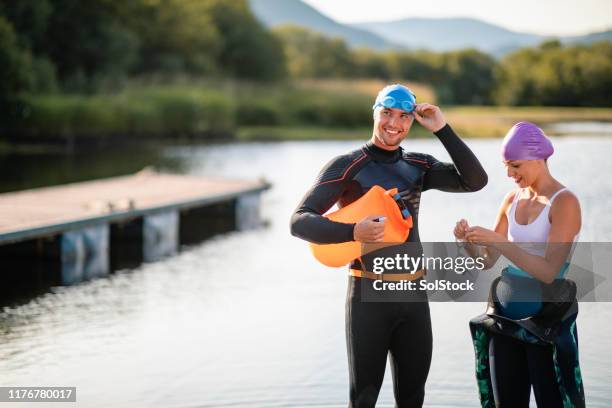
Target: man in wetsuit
{"type": "Point", "coordinates": [376, 329]}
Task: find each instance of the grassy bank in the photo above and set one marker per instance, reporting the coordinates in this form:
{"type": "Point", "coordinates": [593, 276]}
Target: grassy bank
{"type": "Point", "coordinates": [308, 109]}
{"type": "Point", "coordinates": [199, 111]}
{"type": "Point", "coordinates": [469, 122]}
{"type": "Point", "coordinates": [494, 121]}
{"type": "Point", "coordinates": [251, 133]}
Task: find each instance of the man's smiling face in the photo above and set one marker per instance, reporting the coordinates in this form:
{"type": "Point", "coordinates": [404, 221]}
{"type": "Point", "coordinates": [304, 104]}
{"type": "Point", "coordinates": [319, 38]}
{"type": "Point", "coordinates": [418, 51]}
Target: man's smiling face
{"type": "Point", "coordinates": [391, 126]}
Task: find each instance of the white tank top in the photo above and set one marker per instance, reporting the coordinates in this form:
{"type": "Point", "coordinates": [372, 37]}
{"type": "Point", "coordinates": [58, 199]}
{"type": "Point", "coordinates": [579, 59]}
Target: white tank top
{"type": "Point", "coordinates": [532, 236]}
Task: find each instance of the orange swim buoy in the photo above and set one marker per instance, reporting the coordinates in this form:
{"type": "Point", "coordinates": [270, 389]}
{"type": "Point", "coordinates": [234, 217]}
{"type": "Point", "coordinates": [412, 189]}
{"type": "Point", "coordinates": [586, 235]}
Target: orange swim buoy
{"type": "Point", "coordinates": [376, 201]}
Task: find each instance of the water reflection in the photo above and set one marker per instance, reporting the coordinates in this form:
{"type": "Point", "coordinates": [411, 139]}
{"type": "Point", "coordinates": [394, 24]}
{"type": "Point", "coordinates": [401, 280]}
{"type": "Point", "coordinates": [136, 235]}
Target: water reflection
{"type": "Point", "coordinates": [19, 171]}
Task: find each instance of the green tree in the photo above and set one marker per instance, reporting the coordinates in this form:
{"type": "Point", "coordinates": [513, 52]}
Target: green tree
{"type": "Point", "coordinates": [596, 68]}
{"type": "Point", "coordinates": [556, 75]}
{"type": "Point", "coordinates": [16, 74]}
{"type": "Point", "coordinates": [312, 55]}
{"type": "Point", "coordinates": [372, 64]}
{"type": "Point", "coordinates": [29, 19]}
{"type": "Point", "coordinates": [421, 66]}
{"type": "Point", "coordinates": [85, 40]}
{"type": "Point", "coordinates": [15, 63]}
{"type": "Point", "coordinates": [174, 35]}
{"type": "Point", "coordinates": [513, 84]}
{"type": "Point", "coordinates": [248, 49]}
{"type": "Point", "coordinates": [469, 77]}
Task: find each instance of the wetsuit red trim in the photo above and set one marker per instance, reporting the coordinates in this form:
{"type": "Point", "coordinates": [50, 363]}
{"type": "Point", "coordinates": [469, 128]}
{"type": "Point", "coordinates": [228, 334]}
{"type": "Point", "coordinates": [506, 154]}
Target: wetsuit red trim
{"type": "Point", "coordinates": [346, 171]}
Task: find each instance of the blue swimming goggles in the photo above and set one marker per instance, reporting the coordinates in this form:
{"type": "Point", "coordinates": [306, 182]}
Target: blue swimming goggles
{"type": "Point", "coordinates": [396, 97]}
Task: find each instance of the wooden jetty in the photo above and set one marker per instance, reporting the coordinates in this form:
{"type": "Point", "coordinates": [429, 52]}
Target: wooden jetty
{"type": "Point", "coordinates": [90, 228]}
{"type": "Point", "coordinates": [45, 211]}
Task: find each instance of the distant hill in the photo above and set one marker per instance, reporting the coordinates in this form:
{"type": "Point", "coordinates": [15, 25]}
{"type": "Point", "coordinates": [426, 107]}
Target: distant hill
{"type": "Point", "coordinates": [277, 12]}
{"type": "Point", "coordinates": [445, 34]}
{"type": "Point", "coordinates": [589, 38]}
{"type": "Point", "coordinates": [435, 34]}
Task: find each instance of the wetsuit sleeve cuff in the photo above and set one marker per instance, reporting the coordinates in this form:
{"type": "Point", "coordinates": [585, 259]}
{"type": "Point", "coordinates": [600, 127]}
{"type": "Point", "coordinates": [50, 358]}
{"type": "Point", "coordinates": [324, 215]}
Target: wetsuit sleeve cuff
{"type": "Point", "coordinates": [445, 131]}
{"type": "Point", "coordinates": [350, 230]}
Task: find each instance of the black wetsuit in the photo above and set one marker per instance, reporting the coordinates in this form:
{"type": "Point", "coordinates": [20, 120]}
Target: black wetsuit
{"type": "Point", "coordinates": [517, 366]}
{"type": "Point", "coordinates": [374, 329]}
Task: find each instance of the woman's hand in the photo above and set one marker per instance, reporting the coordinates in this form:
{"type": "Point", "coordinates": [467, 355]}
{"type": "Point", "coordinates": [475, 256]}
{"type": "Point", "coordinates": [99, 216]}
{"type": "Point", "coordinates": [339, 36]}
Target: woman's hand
{"type": "Point", "coordinates": [484, 236]}
{"type": "Point", "coordinates": [429, 116]}
{"type": "Point", "coordinates": [460, 229]}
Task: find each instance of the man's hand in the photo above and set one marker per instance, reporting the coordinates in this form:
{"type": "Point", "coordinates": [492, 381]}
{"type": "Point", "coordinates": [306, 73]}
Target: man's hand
{"type": "Point", "coordinates": [368, 230]}
{"type": "Point", "coordinates": [429, 116]}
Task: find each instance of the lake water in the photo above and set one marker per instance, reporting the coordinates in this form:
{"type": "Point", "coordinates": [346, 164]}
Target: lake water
{"type": "Point", "coordinates": [250, 319]}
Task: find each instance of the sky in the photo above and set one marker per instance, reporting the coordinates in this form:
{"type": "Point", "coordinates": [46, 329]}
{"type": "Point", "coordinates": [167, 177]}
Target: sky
{"type": "Point", "coordinates": [546, 17]}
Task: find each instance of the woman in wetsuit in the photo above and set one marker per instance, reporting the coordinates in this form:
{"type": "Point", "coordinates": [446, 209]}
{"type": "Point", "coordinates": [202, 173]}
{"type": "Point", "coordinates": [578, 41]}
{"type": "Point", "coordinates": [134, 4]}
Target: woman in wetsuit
{"type": "Point", "coordinates": [535, 228]}
{"type": "Point", "coordinates": [375, 329]}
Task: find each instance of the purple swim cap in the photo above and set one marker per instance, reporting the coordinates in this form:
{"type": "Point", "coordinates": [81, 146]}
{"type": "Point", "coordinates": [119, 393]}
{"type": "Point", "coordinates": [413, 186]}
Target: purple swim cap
{"type": "Point", "coordinates": [526, 141]}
